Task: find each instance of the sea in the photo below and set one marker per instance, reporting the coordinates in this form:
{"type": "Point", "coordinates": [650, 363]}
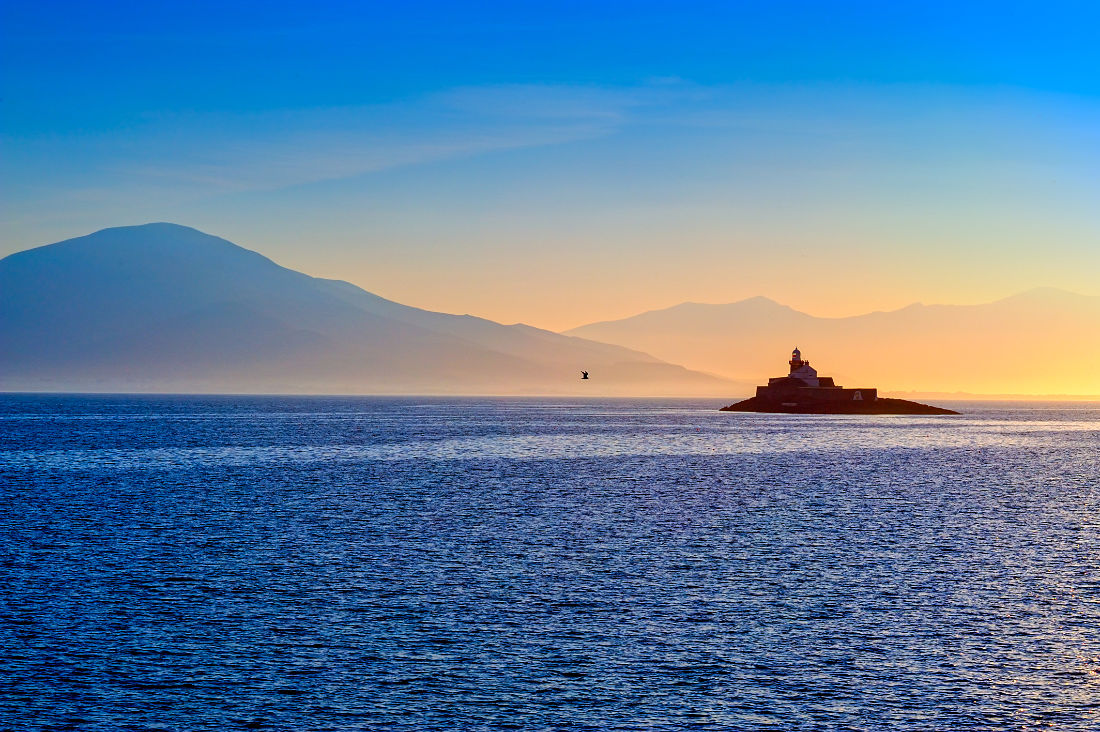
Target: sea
{"type": "Point", "coordinates": [363, 563]}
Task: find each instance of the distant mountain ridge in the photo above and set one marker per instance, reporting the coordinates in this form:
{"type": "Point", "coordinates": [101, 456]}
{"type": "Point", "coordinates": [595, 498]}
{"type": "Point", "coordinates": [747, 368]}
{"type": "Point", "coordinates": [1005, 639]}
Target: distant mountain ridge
{"type": "Point", "coordinates": [164, 307]}
{"type": "Point", "coordinates": [1041, 341]}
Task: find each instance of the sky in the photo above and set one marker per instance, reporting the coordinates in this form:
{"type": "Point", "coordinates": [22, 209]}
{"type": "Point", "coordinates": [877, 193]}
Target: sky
{"type": "Point", "coordinates": [563, 163]}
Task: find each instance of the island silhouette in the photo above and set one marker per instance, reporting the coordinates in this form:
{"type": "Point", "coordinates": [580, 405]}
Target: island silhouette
{"type": "Point", "coordinates": [802, 391]}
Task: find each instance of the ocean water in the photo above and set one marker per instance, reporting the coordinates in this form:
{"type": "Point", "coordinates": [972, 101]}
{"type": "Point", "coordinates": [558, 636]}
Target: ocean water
{"type": "Point", "coordinates": [212, 563]}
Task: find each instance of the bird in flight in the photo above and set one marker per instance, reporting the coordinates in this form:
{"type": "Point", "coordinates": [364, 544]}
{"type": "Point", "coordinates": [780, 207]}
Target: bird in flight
{"type": "Point", "coordinates": [584, 375]}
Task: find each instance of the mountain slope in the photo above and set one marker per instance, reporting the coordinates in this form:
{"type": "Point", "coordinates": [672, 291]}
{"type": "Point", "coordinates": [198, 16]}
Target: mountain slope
{"type": "Point", "coordinates": [166, 307]}
{"type": "Point", "coordinates": [1040, 342]}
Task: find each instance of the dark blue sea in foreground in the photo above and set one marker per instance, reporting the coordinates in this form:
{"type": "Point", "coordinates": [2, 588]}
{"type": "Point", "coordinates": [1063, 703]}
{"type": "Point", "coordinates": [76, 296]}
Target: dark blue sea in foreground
{"type": "Point", "coordinates": [186, 563]}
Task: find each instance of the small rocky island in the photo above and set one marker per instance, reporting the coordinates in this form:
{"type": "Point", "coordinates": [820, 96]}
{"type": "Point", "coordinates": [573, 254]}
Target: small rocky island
{"type": "Point", "coordinates": [804, 392]}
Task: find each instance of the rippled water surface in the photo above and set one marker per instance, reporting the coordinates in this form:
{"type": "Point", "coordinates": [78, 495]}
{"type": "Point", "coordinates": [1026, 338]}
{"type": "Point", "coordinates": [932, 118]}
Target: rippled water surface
{"type": "Point", "coordinates": [364, 563]}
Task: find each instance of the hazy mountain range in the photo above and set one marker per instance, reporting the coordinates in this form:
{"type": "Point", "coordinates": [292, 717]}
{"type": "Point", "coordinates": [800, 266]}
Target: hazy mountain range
{"type": "Point", "coordinates": [1044, 341]}
{"type": "Point", "coordinates": [163, 307]}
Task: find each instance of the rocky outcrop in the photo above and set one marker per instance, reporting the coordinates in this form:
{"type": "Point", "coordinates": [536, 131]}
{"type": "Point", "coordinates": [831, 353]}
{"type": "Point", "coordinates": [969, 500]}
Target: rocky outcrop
{"type": "Point", "coordinates": [881, 405]}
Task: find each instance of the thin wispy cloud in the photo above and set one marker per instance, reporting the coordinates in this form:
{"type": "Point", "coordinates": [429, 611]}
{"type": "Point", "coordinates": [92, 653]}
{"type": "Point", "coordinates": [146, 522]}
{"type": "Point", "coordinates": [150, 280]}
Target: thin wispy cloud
{"type": "Point", "coordinates": [209, 155]}
{"type": "Point", "coordinates": [184, 156]}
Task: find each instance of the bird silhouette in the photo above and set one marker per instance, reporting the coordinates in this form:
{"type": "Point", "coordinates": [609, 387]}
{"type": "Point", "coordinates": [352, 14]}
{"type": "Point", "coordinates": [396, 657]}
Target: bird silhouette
{"type": "Point", "coordinates": [584, 375]}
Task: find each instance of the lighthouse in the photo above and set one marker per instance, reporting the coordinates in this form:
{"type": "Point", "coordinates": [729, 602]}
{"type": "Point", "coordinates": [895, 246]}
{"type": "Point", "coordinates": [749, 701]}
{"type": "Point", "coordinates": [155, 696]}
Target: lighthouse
{"type": "Point", "coordinates": [804, 392]}
{"type": "Point", "coordinates": [801, 369]}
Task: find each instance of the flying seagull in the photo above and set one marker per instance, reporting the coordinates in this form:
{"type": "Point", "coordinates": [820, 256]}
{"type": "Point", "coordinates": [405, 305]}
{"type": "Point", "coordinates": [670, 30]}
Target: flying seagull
{"type": "Point", "coordinates": [584, 375]}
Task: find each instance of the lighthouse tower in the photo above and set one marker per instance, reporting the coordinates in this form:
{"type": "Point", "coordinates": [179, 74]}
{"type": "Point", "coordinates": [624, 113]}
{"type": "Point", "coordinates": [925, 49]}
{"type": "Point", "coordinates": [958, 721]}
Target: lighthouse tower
{"type": "Point", "coordinates": [802, 370]}
{"type": "Point", "coordinates": [796, 359]}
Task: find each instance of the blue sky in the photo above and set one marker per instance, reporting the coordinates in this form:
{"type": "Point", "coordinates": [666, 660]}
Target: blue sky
{"type": "Point", "coordinates": [487, 158]}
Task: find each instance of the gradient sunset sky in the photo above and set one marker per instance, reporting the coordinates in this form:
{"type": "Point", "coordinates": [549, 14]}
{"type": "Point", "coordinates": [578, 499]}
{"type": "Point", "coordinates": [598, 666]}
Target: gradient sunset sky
{"type": "Point", "coordinates": [562, 163]}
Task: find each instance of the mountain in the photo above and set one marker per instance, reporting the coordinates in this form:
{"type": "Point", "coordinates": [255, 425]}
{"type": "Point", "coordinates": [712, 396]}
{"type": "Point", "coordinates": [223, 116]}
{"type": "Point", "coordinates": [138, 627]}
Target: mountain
{"type": "Point", "coordinates": [1039, 342]}
{"type": "Point", "coordinates": [163, 307]}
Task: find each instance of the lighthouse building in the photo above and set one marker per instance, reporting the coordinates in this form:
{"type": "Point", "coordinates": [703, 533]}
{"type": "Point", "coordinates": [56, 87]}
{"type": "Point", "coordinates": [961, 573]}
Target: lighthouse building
{"type": "Point", "coordinates": [802, 387]}
{"type": "Point", "coordinates": [800, 370]}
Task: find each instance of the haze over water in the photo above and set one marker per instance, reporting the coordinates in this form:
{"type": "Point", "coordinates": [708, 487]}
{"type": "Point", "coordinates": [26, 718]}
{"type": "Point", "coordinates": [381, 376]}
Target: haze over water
{"type": "Point", "coordinates": [351, 563]}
